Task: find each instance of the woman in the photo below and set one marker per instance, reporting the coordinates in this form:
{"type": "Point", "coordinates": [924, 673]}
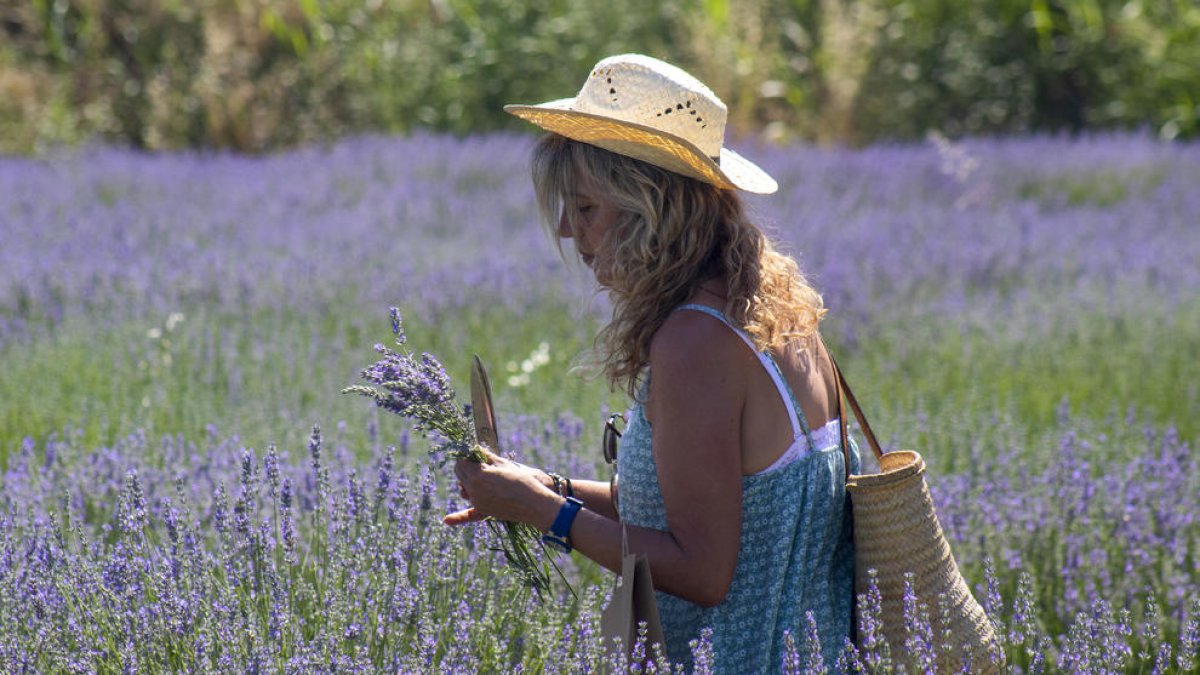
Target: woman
{"type": "Point", "coordinates": [732, 473]}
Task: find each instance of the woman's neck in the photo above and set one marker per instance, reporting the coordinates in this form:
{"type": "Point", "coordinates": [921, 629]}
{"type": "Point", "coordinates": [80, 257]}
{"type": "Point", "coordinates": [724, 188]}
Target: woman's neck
{"type": "Point", "coordinates": [713, 290]}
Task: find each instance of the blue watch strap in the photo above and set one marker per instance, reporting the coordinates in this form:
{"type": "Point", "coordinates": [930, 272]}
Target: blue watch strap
{"type": "Point", "coordinates": [560, 531]}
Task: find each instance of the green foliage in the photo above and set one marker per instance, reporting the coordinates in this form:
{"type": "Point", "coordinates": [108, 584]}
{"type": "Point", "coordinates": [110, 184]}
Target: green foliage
{"type": "Point", "coordinates": [237, 371]}
{"type": "Point", "coordinates": [256, 75]}
{"type": "Point", "coordinates": [1102, 367]}
{"type": "Point", "coordinates": [986, 66]}
{"type": "Point", "coordinates": [454, 66]}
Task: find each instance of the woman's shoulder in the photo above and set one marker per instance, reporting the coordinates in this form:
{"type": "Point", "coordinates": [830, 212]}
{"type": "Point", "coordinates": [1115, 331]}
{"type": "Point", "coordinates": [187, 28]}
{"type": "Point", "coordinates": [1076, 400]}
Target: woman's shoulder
{"type": "Point", "coordinates": [689, 341]}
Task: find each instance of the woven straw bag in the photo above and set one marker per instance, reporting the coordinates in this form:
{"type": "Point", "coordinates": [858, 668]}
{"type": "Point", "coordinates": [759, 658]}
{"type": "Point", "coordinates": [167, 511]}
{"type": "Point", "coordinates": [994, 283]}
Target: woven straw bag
{"type": "Point", "coordinates": [896, 531]}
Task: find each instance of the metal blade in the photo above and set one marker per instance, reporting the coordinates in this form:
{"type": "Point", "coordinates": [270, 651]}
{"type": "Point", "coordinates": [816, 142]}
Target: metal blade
{"type": "Point", "coordinates": [481, 407]}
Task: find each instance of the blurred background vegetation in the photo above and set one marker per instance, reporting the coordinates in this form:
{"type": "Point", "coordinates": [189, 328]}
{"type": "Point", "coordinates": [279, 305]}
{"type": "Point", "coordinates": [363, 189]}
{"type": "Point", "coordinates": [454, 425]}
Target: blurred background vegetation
{"type": "Point", "coordinates": [253, 75]}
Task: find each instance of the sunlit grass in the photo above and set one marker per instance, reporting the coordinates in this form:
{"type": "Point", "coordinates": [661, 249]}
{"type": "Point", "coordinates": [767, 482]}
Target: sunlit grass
{"type": "Point", "coordinates": [267, 375]}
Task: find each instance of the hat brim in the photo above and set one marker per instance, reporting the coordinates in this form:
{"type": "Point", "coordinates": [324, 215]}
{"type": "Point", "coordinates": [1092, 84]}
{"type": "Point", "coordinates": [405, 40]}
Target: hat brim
{"type": "Point", "coordinates": [639, 141]}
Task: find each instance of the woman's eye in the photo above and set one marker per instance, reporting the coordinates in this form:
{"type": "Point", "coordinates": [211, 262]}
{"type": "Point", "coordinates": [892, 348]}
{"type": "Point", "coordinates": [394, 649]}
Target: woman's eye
{"type": "Point", "coordinates": [584, 208]}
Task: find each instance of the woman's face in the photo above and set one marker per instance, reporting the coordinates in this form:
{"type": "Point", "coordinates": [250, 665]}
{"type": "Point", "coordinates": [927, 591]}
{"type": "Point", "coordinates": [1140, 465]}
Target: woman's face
{"type": "Point", "coordinates": [594, 228]}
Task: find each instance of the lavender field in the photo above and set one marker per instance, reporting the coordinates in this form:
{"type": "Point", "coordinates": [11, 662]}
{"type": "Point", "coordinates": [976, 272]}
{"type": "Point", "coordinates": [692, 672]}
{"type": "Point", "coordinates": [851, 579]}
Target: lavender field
{"type": "Point", "coordinates": [1025, 312]}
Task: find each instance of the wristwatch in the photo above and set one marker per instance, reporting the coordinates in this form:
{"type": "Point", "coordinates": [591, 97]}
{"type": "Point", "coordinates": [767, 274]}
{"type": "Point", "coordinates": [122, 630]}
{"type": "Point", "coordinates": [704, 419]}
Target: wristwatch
{"type": "Point", "coordinates": [559, 535]}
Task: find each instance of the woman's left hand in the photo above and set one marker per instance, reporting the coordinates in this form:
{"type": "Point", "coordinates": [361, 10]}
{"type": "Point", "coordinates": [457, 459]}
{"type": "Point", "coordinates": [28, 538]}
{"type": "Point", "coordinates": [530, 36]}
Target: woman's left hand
{"type": "Point", "coordinates": [502, 489]}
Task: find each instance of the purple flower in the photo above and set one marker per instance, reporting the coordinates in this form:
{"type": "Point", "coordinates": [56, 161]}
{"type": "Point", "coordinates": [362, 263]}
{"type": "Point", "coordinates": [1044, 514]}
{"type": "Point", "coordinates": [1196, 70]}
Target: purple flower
{"type": "Point", "coordinates": [271, 468]}
{"type": "Point", "coordinates": [133, 505]}
{"type": "Point", "coordinates": [1189, 640]}
{"type": "Point", "coordinates": [919, 633]}
{"type": "Point", "coordinates": [220, 510]}
{"type": "Point", "coordinates": [702, 652]}
{"type": "Point", "coordinates": [356, 501]}
{"type": "Point", "coordinates": [418, 390]}
{"type": "Point", "coordinates": [287, 532]}
{"type": "Point", "coordinates": [849, 660]}
{"type": "Point", "coordinates": [992, 604]}
{"type": "Point", "coordinates": [1162, 662]}
{"type": "Point", "coordinates": [1023, 624]}
{"type": "Point", "coordinates": [1151, 629]}
{"type": "Point", "coordinates": [815, 665]}
{"type": "Point", "coordinates": [384, 476]}
{"type": "Point", "coordinates": [870, 629]}
{"type": "Point", "coordinates": [319, 471]}
{"type": "Point", "coordinates": [791, 655]}
{"type": "Point", "coordinates": [397, 328]}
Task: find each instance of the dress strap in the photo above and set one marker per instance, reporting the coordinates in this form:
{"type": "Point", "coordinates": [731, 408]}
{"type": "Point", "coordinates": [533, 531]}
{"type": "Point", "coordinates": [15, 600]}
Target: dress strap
{"type": "Point", "coordinates": [794, 411]}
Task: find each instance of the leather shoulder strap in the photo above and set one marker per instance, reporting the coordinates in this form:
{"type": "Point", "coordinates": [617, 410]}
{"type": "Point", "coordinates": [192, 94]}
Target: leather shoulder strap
{"type": "Point", "coordinates": [845, 394]}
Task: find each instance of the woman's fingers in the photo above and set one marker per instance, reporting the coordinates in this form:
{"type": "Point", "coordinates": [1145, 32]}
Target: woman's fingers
{"type": "Point", "coordinates": [492, 458]}
{"type": "Point", "coordinates": [499, 488]}
{"type": "Point", "coordinates": [463, 517]}
{"type": "Point", "coordinates": [465, 470]}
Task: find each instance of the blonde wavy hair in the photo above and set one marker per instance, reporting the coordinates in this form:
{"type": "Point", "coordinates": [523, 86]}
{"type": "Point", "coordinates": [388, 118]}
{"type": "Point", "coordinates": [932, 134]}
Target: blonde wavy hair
{"type": "Point", "coordinates": [672, 234]}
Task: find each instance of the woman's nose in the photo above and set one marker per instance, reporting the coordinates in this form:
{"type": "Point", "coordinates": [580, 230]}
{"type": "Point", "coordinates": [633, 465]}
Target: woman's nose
{"type": "Point", "coordinates": [564, 227]}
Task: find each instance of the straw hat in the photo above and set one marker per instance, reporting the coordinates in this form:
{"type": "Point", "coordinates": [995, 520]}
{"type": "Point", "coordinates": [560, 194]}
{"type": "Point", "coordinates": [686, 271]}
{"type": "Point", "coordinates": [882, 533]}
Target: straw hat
{"type": "Point", "coordinates": [644, 108]}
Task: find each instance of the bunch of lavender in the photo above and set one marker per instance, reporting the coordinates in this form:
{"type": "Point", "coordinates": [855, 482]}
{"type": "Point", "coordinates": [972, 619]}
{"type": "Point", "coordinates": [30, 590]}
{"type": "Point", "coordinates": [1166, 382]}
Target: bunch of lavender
{"type": "Point", "coordinates": [420, 390]}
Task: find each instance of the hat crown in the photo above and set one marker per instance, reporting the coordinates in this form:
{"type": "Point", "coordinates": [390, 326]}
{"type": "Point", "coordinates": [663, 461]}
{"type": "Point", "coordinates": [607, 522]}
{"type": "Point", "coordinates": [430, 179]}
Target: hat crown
{"type": "Point", "coordinates": [640, 107]}
{"type": "Point", "coordinates": [643, 90]}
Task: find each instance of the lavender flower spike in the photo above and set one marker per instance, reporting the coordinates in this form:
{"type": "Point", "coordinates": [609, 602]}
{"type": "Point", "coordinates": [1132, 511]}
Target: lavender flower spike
{"type": "Point", "coordinates": [420, 390]}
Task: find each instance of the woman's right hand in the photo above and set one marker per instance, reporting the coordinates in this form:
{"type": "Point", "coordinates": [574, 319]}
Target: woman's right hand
{"type": "Point", "coordinates": [505, 490]}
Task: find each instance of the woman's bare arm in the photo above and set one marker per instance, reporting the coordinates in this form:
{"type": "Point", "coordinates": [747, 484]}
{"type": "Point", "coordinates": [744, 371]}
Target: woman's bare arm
{"type": "Point", "coordinates": [695, 413]}
{"type": "Point", "coordinates": [595, 497]}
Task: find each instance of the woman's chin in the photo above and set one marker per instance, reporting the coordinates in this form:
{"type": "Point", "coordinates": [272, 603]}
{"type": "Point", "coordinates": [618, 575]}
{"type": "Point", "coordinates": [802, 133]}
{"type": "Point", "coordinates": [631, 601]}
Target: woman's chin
{"type": "Point", "coordinates": [598, 273]}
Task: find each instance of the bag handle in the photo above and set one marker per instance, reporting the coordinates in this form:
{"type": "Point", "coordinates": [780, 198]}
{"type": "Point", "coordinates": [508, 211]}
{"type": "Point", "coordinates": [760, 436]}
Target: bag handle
{"type": "Point", "coordinates": [845, 394]}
